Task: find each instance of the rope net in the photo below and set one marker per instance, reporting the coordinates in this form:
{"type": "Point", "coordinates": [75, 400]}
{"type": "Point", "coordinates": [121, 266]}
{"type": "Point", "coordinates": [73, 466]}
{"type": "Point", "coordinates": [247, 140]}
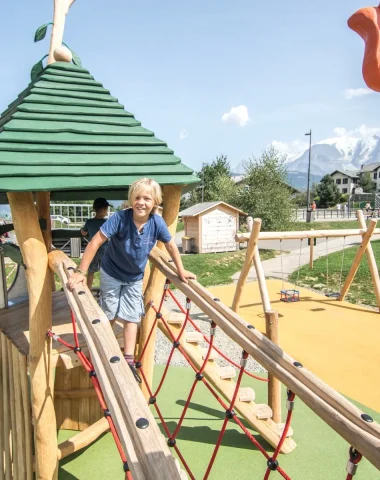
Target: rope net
{"type": "Point", "coordinates": [272, 463]}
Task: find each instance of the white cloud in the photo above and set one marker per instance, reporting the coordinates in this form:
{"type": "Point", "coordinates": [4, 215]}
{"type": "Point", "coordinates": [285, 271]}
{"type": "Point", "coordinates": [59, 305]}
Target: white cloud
{"type": "Point", "coordinates": [183, 134]}
{"type": "Point", "coordinates": [359, 132]}
{"type": "Point", "coordinates": [237, 116]}
{"type": "Point", "coordinates": [296, 146]}
{"type": "Point", "coordinates": [351, 93]}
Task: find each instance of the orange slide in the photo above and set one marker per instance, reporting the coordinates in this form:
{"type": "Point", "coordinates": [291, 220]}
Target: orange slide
{"type": "Point", "coordinates": [366, 22]}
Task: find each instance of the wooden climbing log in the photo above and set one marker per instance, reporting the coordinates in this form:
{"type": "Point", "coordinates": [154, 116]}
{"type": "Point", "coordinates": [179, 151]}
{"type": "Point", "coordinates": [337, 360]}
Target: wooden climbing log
{"type": "Point", "coordinates": [147, 452]}
{"type": "Point", "coordinates": [43, 212]}
{"type": "Point", "coordinates": [243, 237]}
{"type": "Point", "coordinates": [61, 8]}
{"type": "Point", "coordinates": [34, 253]}
{"type": "Point", "coordinates": [274, 385]}
{"type": "Point", "coordinates": [252, 243]}
{"type": "Point", "coordinates": [264, 294]}
{"type": "Point", "coordinates": [153, 291]}
{"type": "Point", "coordinates": [371, 260]}
{"type": "Point", "coordinates": [338, 412]}
{"type": "Point", "coordinates": [82, 439]}
{"type": "Point", "coordinates": [358, 257]}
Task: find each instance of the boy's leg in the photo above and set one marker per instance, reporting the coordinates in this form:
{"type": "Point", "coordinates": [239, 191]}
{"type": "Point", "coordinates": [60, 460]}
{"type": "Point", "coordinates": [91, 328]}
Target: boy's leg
{"type": "Point", "coordinates": [130, 335]}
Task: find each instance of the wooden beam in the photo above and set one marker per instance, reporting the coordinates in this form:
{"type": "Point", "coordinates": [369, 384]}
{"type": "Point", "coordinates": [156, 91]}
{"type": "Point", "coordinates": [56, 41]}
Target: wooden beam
{"type": "Point", "coordinates": [82, 393]}
{"type": "Point", "coordinates": [61, 9]}
{"type": "Point", "coordinates": [371, 260]}
{"type": "Point", "coordinates": [344, 417]}
{"type": "Point", "coordinates": [274, 385]}
{"type": "Point", "coordinates": [252, 242]}
{"type": "Point", "coordinates": [154, 289]}
{"type": "Point", "coordinates": [243, 237]}
{"type": "Point", "coordinates": [261, 280]}
{"type": "Point", "coordinates": [40, 320]}
{"type": "Point", "coordinates": [358, 257]}
{"type": "Point", "coordinates": [82, 439]}
{"type": "Point", "coordinates": [147, 452]}
{"type": "Point", "coordinates": [43, 212]}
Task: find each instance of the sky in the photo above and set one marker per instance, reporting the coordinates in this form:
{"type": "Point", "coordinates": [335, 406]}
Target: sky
{"type": "Point", "coordinates": [210, 77]}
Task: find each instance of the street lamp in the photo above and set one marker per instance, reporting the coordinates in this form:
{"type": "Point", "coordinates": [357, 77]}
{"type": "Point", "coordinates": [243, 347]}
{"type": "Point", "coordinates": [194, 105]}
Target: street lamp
{"type": "Point", "coordinates": [203, 180]}
{"type": "Point", "coordinates": [308, 217]}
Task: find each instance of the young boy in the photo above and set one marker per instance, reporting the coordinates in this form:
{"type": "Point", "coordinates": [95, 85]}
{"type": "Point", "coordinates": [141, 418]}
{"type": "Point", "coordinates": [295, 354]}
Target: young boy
{"type": "Point", "coordinates": [132, 234]}
{"type": "Point", "coordinates": [91, 228]}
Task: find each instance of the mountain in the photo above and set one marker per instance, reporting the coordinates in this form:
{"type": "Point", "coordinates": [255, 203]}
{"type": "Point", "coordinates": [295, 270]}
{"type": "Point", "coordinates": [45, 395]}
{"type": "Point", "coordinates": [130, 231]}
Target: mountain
{"type": "Point", "coordinates": [339, 153]}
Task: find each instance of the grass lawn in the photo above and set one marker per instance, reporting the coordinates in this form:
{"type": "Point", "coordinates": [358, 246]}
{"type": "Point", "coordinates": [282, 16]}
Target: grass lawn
{"type": "Point", "coordinates": [218, 268]}
{"type": "Point", "coordinates": [10, 272]}
{"type": "Point", "coordinates": [339, 225]}
{"type": "Point", "coordinates": [361, 291]}
{"type": "Point", "coordinates": [180, 226]}
{"type": "Point", "coordinates": [210, 268]}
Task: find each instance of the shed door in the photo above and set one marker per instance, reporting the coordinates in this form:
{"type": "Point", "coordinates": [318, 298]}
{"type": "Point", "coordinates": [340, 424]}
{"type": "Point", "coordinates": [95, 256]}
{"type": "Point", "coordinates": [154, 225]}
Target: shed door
{"type": "Point", "coordinates": [218, 232]}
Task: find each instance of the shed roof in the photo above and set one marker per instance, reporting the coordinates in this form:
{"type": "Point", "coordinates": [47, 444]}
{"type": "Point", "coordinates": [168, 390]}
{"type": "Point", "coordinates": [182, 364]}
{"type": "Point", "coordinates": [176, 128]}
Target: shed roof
{"type": "Point", "coordinates": [203, 207]}
{"type": "Point", "coordinates": [66, 132]}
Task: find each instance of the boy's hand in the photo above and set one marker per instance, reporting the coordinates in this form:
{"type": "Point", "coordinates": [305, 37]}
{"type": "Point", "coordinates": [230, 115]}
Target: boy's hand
{"type": "Point", "coordinates": [186, 275]}
{"type": "Point", "coordinates": [75, 279]}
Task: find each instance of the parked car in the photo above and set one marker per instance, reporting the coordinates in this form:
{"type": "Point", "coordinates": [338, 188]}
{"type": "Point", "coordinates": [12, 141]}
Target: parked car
{"type": "Point", "coordinates": [60, 218]}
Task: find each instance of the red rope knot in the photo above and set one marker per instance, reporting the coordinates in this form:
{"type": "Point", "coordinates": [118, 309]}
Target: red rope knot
{"type": "Point", "coordinates": [188, 303]}
{"type": "Point", "coordinates": [167, 283]}
{"type": "Point", "coordinates": [290, 400]}
{"type": "Point", "coordinates": [212, 329]}
{"type": "Point", "coordinates": [352, 464]}
{"type": "Point", "coordinates": [243, 361]}
{"type": "Point", "coordinates": [51, 334]}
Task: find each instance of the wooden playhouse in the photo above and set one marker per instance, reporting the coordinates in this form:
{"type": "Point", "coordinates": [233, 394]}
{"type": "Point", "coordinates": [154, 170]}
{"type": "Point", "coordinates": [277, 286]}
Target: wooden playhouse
{"type": "Point", "coordinates": [211, 227]}
{"type": "Point", "coordinates": [64, 137]}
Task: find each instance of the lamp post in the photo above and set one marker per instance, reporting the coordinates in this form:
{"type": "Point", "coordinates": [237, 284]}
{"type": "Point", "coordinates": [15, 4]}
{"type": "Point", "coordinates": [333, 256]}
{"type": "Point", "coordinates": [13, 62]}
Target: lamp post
{"type": "Point", "coordinates": [308, 216]}
{"type": "Point", "coordinates": [203, 180]}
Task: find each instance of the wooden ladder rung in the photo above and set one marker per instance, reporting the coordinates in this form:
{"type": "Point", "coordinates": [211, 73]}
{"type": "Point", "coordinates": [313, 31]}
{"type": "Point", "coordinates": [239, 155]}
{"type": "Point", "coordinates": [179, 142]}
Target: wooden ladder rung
{"type": "Point", "coordinates": [246, 394]}
{"type": "Point", "coordinates": [176, 318]}
{"type": "Point", "coordinates": [213, 354]}
{"type": "Point", "coordinates": [263, 412]}
{"type": "Point", "coordinates": [280, 429]}
{"type": "Point", "coordinates": [227, 372]}
{"type": "Point", "coordinates": [194, 337]}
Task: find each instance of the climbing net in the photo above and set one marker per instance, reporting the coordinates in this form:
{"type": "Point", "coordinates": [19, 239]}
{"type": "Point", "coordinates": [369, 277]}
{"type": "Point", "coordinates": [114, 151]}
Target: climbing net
{"type": "Point", "coordinates": [272, 463]}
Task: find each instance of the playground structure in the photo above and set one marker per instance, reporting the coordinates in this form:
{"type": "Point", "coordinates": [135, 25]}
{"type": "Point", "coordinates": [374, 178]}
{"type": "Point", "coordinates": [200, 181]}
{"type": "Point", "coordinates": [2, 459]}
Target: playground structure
{"type": "Point", "coordinates": [62, 102]}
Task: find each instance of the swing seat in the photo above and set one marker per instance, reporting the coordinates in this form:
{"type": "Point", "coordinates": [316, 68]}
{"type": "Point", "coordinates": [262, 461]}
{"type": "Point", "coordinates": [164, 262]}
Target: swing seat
{"type": "Point", "coordinates": [291, 295]}
{"type": "Point", "coordinates": [333, 295]}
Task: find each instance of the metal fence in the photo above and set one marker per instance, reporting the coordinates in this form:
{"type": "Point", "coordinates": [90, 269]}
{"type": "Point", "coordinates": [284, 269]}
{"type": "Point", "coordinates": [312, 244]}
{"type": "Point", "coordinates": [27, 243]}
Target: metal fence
{"type": "Point", "coordinates": [71, 215]}
{"type": "Point", "coordinates": [326, 214]}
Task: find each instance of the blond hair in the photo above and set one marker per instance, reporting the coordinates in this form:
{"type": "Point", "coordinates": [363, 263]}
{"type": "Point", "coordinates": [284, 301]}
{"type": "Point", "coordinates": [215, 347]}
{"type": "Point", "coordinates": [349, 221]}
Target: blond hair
{"type": "Point", "coordinates": [141, 185]}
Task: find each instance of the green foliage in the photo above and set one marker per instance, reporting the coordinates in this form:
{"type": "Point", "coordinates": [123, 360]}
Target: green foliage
{"type": "Point", "coordinates": [76, 59]}
{"type": "Point", "coordinates": [36, 70]}
{"type": "Point", "coordinates": [266, 194]}
{"type": "Point", "coordinates": [344, 198]}
{"type": "Point", "coordinates": [41, 32]}
{"type": "Point", "coordinates": [366, 182]}
{"type": "Point", "coordinates": [328, 192]}
{"type": "Point", "coordinates": [216, 183]}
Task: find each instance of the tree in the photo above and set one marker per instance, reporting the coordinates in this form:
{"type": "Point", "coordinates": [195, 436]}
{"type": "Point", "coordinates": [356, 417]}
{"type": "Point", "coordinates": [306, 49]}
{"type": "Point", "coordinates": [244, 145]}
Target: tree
{"type": "Point", "coordinates": [366, 182]}
{"type": "Point", "coordinates": [267, 194]}
{"type": "Point", "coordinates": [216, 183]}
{"type": "Point", "coordinates": [328, 192]}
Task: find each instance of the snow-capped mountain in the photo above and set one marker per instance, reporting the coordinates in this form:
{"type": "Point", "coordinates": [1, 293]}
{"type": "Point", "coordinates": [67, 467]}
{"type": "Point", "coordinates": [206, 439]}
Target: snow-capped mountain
{"type": "Point", "coordinates": [344, 152]}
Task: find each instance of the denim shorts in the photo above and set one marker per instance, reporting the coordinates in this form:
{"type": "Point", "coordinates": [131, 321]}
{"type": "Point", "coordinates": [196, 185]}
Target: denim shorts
{"type": "Point", "coordinates": [122, 300]}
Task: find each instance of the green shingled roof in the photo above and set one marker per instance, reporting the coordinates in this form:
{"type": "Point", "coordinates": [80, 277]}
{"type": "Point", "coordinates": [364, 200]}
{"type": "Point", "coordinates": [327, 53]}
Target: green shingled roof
{"type": "Point", "coordinates": [66, 133]}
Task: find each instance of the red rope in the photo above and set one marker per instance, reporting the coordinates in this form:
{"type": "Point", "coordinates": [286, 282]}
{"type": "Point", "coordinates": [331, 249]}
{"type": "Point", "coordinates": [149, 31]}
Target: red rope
{"type": "Point", "coordinates": [354, 459]}
{"type": "Point", "coordinates": [216, 348]}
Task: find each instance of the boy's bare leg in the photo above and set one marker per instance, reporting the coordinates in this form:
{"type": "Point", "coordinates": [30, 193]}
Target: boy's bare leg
{"type": "Point", "coordinates": [130, 334]}
{"type": "Point", "coordinates": [90, 279]}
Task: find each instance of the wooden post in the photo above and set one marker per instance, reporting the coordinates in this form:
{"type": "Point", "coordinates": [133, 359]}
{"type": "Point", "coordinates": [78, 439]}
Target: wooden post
{"type": "Point", "coordinates": [311, 261]}
{"type": "Point", "coordinates": [34, 253]}
{"type": "Point", "coordinates": [154, 289]}
{"type": "Point", "coordinates": [261, 280]}
{"type": "Point", "coordinates": [61, 8]}
{"type": "Point", "coordinates": [359, 254]}
{"type": "Point", "coordinates": [43, 212]}
{"type": "Point", "coordinates": [274, 385]}
{"type": "Point", "coordinates": [252, 243]}
{"type": "Point", "coordinates": [371, 260]}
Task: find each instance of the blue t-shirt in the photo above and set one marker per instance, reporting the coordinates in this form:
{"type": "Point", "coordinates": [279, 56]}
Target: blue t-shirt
{"type": "Point", "coordinates": [92, 226]}
{"type": "Point", "coordinates": [128, 250]}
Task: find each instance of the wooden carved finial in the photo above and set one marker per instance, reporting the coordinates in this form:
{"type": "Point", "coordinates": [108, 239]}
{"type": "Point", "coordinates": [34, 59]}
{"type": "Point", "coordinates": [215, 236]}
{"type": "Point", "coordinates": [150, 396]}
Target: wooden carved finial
{"type": "Point", "coordinates": [62, 54]}
{"type": "Point", "coordinates": [61, 8]}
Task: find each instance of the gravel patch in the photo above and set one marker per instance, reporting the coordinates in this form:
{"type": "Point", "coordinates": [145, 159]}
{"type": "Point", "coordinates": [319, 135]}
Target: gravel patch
{"type": "Point", "coordinates": [221, 341]}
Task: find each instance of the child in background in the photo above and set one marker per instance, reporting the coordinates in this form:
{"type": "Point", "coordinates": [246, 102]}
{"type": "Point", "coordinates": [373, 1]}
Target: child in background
{"type": "Point", "coordinates": [91, 228]}
{"type": "Point", "coordinates": [132, 234]}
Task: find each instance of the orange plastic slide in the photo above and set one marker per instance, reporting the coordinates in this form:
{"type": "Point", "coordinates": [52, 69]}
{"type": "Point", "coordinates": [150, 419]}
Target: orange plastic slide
{"type": "Point", "coordinates": [366, 22]}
